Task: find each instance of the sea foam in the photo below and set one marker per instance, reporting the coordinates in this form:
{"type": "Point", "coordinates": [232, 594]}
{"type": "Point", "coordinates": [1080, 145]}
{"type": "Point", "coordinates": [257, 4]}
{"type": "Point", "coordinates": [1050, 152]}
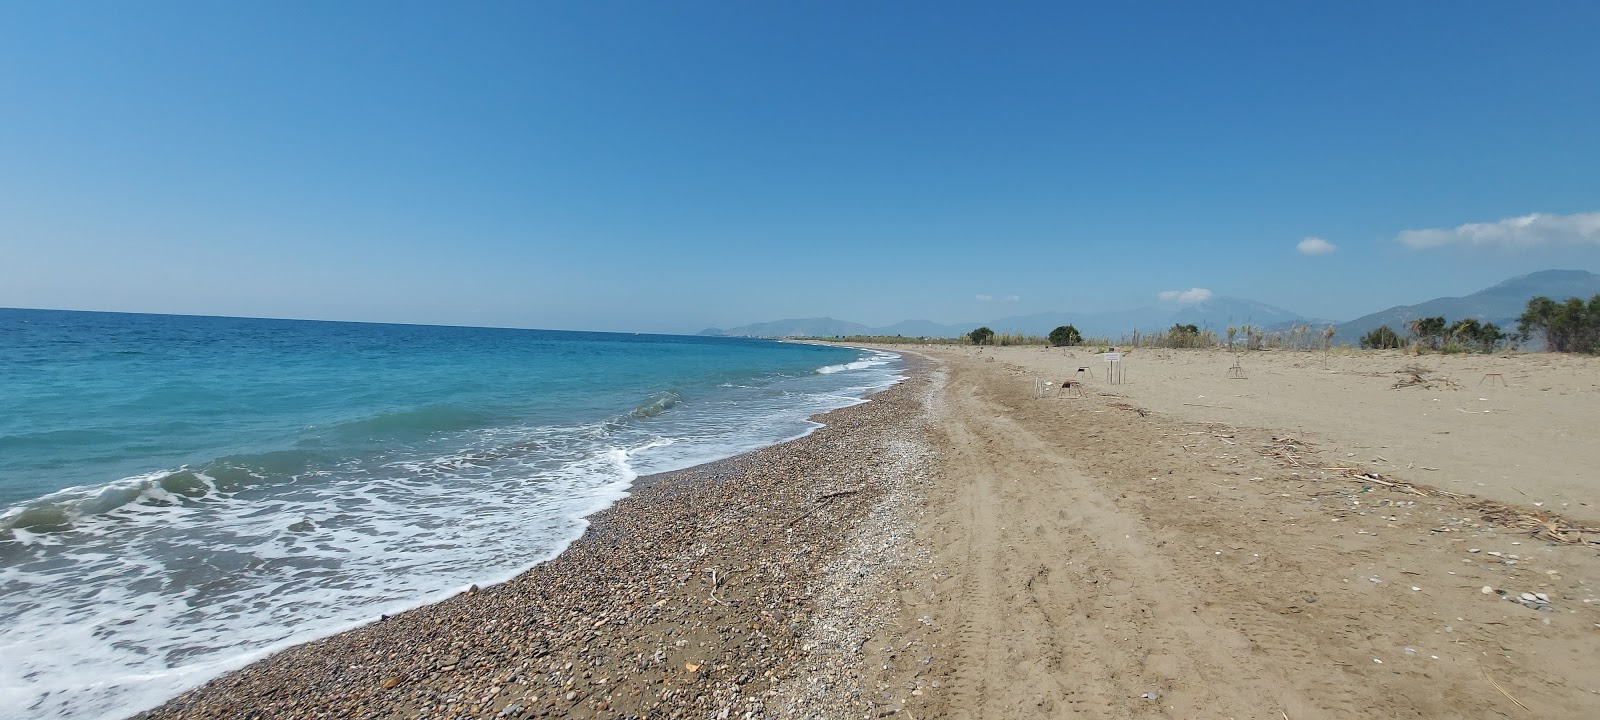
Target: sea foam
{"type": "Point", "coordinates": [117, 596]}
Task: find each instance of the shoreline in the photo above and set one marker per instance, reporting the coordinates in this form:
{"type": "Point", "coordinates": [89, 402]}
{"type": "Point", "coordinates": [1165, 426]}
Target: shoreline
{"type": "Point", "coordinates": [641, 577]}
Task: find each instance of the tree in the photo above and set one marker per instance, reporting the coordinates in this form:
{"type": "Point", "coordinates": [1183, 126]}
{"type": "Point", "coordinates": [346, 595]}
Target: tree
{"type": "Point", "coordinates": [1382, 339]}
{"type": "Point", "coordinates": [1064, 336]}
{"type": "Point", "coordinates": [1467, 331]}
{"type": "Point", "coordinates": [1428, 330]}
{"type": "Point", "coordinates": [1571, 326]}
{"type": "Point", "coordinates": [1490, 336]}
{"type": "Point", "coordinates": [981, 336]}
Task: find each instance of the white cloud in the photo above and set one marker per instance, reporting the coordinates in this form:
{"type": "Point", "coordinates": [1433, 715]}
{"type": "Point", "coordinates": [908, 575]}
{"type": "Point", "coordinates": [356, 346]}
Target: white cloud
{"type": "Point", "coordinates": [1316, 246]}
{"type": "Point", "coordinates": [985, 298]}
{"type": "Point", "coordinates": [991, 298]}
{"type": "Point", "coordinates": [1013, 298]}
{"type": "Point", "coordinates": [1512, 233]}
{"type": "Point", "coordinates": [1192, 296]}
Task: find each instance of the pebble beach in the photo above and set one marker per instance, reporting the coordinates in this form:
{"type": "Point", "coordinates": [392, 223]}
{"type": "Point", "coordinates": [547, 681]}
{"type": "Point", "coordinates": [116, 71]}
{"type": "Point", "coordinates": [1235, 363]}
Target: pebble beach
{"type": "Point", "coordinates": [693, 597]}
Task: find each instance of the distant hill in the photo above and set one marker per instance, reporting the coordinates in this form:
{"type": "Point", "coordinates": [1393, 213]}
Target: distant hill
{"type": "Point", "coordinates": [1501, 304]}
{"type": "Point", "coordinates": [808, 327]}
{"type": "Point", "coordinates": [1218, 313]}
{"type": "Point", "coordinates": [923, 328]}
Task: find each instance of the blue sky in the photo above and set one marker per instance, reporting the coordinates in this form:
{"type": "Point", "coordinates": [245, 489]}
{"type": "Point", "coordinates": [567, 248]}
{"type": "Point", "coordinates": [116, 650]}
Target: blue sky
{"type": "Point", "coordinates": [669, 166]}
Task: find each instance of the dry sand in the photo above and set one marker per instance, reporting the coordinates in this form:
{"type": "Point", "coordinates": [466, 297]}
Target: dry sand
{"type": "Point", "coordinates": [1170, 547]}
{"type": "Point", "coordinates": [1117, 556]}
{"type": "Point", "coordinates": [1531, 435]}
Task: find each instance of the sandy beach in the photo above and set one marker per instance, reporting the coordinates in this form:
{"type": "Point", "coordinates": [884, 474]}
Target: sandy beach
{"type": "Point", "coordinates": [1139, 553]}
{"type": "Point", "coordinates": [1306, 542]}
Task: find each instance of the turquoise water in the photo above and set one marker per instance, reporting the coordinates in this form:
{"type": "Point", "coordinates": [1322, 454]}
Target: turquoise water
{"type": "Point", "coordinates": [180, 495]}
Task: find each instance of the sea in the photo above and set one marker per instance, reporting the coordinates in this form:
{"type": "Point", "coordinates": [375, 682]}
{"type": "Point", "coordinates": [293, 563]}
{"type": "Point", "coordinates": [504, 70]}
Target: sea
{"type": "Point", "coordinates": [182, 495]}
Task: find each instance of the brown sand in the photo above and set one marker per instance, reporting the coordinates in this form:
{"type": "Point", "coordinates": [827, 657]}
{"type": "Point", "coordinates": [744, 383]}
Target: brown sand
{"type": "Point", "coordinates": [1002, 556]}
{"type": "Point", "coordinates": [1094, 561]}
{"type": "Point", "coordinates": [1528, 436]}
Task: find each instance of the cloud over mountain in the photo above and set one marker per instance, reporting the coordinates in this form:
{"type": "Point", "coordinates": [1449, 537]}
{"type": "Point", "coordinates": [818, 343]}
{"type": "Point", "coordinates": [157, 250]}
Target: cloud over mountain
{"type": "Point", "coordinates": [1187, 297]}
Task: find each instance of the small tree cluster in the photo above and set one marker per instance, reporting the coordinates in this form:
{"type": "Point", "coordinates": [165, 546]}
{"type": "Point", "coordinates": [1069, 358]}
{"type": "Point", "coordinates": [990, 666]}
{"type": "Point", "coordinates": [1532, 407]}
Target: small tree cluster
{"type": "Point", "coordinates": [981, 336]}
{"type": "Point", "coordinates": [1473, 335]}
{"type": "Point", "coordinates": [1428, 331]}
{"type": "Point", "coordinates": [1571, 326]}
{"type": "Point", "coordinates": [1065, 335]}
{"type": "Point", "coordinates": [1468, 335]}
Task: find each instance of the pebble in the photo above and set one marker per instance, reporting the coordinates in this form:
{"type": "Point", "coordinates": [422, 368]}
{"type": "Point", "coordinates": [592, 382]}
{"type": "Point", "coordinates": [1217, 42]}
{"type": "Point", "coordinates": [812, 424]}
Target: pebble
{"type": "Point", "coordinates": [613, 621]}
{"type": "Point", "coordinates": [1535, 601]}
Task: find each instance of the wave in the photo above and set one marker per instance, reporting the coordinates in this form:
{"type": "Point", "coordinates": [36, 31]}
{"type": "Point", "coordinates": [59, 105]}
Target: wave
{"type": "Point", "coordinates": [876, 359]}
{"type": "Point", "coordinates": [657, 404]}
{"type": "Point", "coordinates": [210, 581]}
{"type": "Point", "coordinates": [66, 509]}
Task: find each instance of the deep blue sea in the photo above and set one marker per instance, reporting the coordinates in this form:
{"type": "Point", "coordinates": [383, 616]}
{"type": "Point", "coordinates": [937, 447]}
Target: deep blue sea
{"type": "Point", "coordinates": [181, 495]}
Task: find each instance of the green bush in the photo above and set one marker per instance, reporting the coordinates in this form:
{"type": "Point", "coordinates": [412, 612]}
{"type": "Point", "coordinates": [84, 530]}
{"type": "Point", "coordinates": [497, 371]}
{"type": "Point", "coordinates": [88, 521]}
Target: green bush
{"type": "Point", "coordinates": [1571, 326]}
{"type": "Point", "coordinates": [981, 336]}
{"type": "Point", "coordinates": [1064, 336]}
{"type": "Point", "coordinates": [1382, 339]}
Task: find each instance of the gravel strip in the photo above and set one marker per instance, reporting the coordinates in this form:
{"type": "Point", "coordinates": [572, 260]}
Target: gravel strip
{"type": "Point", "coordinates": [857, 593]}
{"type": "Point", "coordinates": [697, 596]}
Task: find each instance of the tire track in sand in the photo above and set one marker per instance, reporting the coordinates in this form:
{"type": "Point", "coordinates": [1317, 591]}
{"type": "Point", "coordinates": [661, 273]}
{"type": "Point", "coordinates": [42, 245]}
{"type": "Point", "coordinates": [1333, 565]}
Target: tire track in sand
{"type": "Point", "coordinates": [1063, 608]}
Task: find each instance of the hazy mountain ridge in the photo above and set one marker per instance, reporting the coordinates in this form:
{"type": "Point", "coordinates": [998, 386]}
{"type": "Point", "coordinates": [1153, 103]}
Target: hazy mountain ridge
{"type": "Point", "coordinates": [1500, 304]}
{"type": "Point", "coordinates": [800, 327]}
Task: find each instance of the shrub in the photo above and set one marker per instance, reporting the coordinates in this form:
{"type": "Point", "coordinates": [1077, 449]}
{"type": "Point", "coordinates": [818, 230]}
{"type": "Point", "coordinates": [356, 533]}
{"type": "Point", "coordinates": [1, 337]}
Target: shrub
{"type": "Point", "coordinates": [1382, 339]}
{"type": "Point", "coordinates": [981, 336]}
{"type": "Point", "coordinates": [1064, 336]}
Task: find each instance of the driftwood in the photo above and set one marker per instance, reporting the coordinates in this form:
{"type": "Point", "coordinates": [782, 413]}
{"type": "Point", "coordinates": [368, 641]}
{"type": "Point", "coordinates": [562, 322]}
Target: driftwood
{"type": "Point", "coordinates": [1417, 376]}
{"type": "Point", "coordinates": [1127, 406]}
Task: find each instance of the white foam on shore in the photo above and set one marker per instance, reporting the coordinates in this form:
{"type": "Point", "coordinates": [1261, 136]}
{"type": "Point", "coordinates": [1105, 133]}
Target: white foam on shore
{"type": "Point", "coordinates": [155, 595]}
{"type": "Point", "coordinates": [878, 358]}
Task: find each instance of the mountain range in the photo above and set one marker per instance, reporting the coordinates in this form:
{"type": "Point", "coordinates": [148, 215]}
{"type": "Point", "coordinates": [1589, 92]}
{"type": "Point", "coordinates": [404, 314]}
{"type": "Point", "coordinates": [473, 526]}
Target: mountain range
{"type": "Point", "coordinates": [1500, 304]}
